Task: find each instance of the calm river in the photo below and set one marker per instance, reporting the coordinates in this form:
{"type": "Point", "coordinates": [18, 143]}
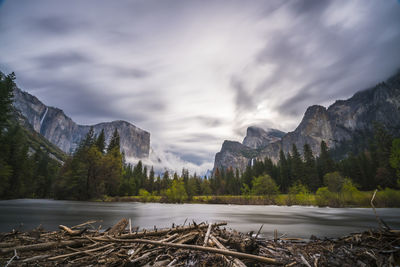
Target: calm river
{"type": "Point", "coordinates": [26, 214]}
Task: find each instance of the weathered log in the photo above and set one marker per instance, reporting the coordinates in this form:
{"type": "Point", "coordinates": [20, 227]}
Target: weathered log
{"type": "Point", "coordinates": [236, 262]}
{"type": "Point", "coordinates": [186, 238]}
{"type": "Point", "coordinates": [70, 231]}
{"type": "Point", "coordinates": [194, 247]}
{"type": "Point", "coordinates": [79, 252]}
{"type": "Point", "coordinates": [47, 245]}
{"type": "Point", "coordinates": [83, 224]}
{"type": "Point", "coordinates": [7, 244]}
{"type": "Point", "coordinates": [36, 258]}
{"type": "Point", "coordinates": [170, 238]}
{"type": "Point", "coordinates": [167, 231]}
{"type": "Point", "coordinates": [304, 261]}
{"type": "Point", "coordinates": [119, 227]}
{"type": "Point", "coordinates": [145, 256]}
{"type": "Point", "coordinates": [207, 235]}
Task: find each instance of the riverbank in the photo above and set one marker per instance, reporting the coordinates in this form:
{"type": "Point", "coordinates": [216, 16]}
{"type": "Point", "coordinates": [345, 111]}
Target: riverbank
{"type": "Point", "coordinates": [387, 198]}
{"type": "Point", "coordinates": [192, 244]}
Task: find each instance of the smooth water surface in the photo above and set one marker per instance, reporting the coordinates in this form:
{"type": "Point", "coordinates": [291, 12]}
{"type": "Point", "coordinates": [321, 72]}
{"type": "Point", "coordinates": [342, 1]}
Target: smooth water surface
{"type": "Point", "coordinates": [295, 221]}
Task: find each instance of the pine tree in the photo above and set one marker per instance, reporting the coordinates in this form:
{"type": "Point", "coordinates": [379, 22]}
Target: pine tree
{"type": "Point", "coordinates": [165, 181]}
{"type": "Point", "coordinates": [138, 176]}
{"type": "Point", "coordinates": [150, 187]}
{"type": "Point", "coordinates": [311, 172]}
{"type": "Point", "coordinates": [381, 147]}
{"type": "Point", "coordinates": [247, 176]}
{"type": "Point", "coordinates": [284, 172]}
{"type": "Point", "coordinates": [6, 98]}
{"type": "Point", "coordinates": [101, 141]}
{"type": "Point", "coordinates": [89, 139]}
{"type": "Point", "coordinates": [185, 177]}
{"type": "Point", "coordinates": [325, 162]}
{"type": "Point", "coordinates": [114, 141]}
{"type": "Point", "coordinates": [297, 166]}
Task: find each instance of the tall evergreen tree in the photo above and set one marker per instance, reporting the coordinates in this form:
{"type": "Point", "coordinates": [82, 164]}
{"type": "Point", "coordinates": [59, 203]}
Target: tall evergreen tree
{"type": "Point", "coordinates": [101, 141]}
{"type": "Point", "coordinates": [325, 162]}
{"type": "Point", "coordinates": [165, 181]}
{"type": "Point", "coordinates": [247, 176]}
{"type": "Point", "coordinates": [114, 141]}
{"type": "Point", "coordinates": [284, 172]}
{"type": "Point", "coordinates": [6, 98]}
{"type": "Point", "coordinates": [297, 166]}
{"type": "Point", "coordinates": [311, 172]}
{"type": "Point", "coordinates": [89, 139]}
{"type": "Point", "coordinates": [150, 186]}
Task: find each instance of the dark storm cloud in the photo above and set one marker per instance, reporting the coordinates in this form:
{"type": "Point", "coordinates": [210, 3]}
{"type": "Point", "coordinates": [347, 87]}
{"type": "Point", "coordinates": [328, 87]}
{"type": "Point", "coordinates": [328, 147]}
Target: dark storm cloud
{"type": "Point", "coordinates": [81, 101]}
{"type": "Point", "coordinates": [243, 100]}
{"type": "Point", "coordinates": [306, 7]}
{"type": "Point", "coordinates": [60, 59]}
{"type": "Point", "coordinates": [360, 55]}
{"type": "Point", "coordinates": [258, 63]}
{"type": "Point", "coordinates": [55, 24]}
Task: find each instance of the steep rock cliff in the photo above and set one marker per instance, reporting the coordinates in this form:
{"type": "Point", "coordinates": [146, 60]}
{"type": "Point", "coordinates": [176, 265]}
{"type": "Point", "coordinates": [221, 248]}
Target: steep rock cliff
{"type": "Point", "coordinates": [257, 137]}
{"type": "Point", "coordinates": [338, 123]}
{"type": "Point", "coordinates": [62, 131]}
{"type": "Point", "coordinates": [233, 154]}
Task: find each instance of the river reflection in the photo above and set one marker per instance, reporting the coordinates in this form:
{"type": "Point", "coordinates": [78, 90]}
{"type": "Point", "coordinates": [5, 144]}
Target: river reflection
{"type": "Point", "coordinates": [294, 221]}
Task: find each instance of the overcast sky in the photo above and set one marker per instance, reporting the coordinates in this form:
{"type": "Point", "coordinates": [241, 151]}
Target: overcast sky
{"type": "Point", "coordinates": [194, 73]}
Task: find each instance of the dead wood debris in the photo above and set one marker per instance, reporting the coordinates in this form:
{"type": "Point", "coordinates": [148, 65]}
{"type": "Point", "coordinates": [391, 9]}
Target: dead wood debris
{"type": "Point", "coordinates": [193, 245]}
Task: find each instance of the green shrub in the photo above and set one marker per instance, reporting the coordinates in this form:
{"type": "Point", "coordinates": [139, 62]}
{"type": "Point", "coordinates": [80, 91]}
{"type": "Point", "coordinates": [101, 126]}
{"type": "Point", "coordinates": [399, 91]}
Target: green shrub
{"type": "Point", "coordinates": [333, 181]}
{"type": "Point", "coordinates": [177, 192]}
{"type": "Point", "coordinates": [264, 185]}
{"type": "Point", "coordinates": [324, 197]}
{"type": "Point", "coordinates": [299, 195]}
{"type": "Point", "coordinates": [144, 195]}
{"type": "Point", "coordinates": [350, 195]}
{"type": "Point", "coordinates": [245, 190]}
{"type": "Point", "coordinates": [388, 198]}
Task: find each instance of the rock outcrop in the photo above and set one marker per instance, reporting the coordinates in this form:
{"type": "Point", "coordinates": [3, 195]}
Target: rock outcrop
{"type": "Point", "coordinates": [62, 131]}
{"type": "Point", "coordinates": [257, 137]}
{"type": "Point", "coordinates": [338, 123]}
{"type": "Point", "coordinates": [233, 154]}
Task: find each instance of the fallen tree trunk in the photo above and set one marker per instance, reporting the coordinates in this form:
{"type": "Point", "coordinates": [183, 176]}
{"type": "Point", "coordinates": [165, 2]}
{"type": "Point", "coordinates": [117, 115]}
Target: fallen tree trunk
{"type": "Point", "coordinates": [166, 231]}
{"type": "Point", "coordinates": [236, 262]}
{"type": "Point", "coordinates": [195, 247]}
{"type": "Point", "coordinates": [79, 252]}
{"type": "Point", "coordinates": [47, 245]}
{"type": "Point", "coordinates": [207, 235]}
{"type": "Point", "coordinates": [119, 227]}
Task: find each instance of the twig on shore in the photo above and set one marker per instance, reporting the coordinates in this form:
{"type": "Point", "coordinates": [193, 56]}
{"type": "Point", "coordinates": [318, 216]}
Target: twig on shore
{"type": "Point", "coordinates": [381, 223]}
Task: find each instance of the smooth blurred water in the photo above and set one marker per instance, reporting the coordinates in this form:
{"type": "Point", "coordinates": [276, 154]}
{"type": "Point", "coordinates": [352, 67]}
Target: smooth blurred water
{"type": "Point", "coordinates": [295, 221]}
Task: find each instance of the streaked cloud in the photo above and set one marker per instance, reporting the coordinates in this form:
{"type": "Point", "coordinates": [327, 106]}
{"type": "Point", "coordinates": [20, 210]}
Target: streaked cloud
{"type": "Point", "coordinates": [194, 73]}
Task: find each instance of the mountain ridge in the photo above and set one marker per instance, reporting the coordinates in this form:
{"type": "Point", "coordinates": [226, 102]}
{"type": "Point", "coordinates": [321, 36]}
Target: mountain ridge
{"type": "Point", "coordinates": [335, 124]}
{"type": "Point", "coordinates": [63, 132]}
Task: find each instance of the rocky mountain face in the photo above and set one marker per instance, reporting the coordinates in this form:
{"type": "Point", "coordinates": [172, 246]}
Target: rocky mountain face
{"type": "Point", "coordinates": [333, 125]}
{"type": "Point", "coordinates": [237, 155]}
{"type": "Point", "coordinates": [234, 154]}
{"type": "Point", "coordinates": [62, 131]}
{"type": "Point", "coordinates": [259, 138]}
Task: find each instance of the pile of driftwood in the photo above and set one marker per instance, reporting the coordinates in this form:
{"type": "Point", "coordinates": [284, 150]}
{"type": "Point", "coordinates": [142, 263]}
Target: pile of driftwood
{"type": "Point", "coordinates": [191, 245]}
